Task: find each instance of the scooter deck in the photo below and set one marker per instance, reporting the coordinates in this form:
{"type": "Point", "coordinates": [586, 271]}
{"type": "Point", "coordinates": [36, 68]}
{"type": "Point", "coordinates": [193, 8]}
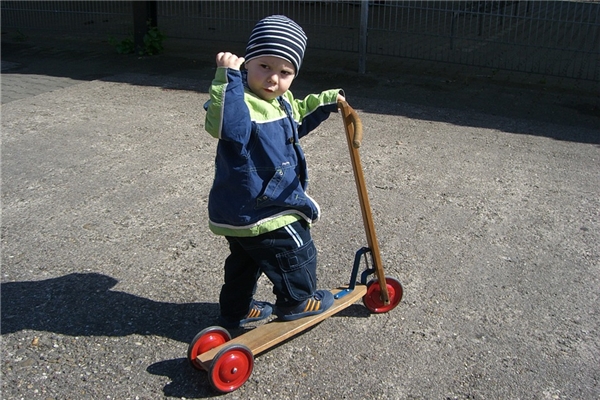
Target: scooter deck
{"type": "Point", "coordinates": [270, 334]}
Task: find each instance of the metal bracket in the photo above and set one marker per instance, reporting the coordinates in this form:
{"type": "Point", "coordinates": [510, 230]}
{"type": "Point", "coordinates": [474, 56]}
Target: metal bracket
{"type": "Point", "coordinates": [363, 278]}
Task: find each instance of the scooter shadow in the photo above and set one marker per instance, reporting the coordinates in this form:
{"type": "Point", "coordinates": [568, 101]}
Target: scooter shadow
{"type": "Point", "coordinates": [187, 382]}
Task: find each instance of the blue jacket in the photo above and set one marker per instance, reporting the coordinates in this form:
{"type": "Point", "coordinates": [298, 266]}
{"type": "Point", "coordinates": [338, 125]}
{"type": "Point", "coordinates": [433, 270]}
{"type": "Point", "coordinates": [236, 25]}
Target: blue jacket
{"type": "Point", "coordinates": [261, 177]}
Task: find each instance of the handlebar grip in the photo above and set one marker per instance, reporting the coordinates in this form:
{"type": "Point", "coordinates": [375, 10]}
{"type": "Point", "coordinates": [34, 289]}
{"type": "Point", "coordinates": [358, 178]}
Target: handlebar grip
{"type": "Point", "coordinates": [351, 118]}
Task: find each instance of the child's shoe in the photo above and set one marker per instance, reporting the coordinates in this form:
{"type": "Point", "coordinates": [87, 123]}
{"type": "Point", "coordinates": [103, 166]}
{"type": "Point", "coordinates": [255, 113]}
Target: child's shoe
{"type": "Point", "coordinates": [319, 302]}
{"type": "Point", "coordinates": [259, 311]}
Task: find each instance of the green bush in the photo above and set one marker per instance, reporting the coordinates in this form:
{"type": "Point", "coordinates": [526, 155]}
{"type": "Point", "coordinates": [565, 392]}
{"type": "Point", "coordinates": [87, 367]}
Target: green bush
{"type": "Point", "coordinates": [125, 46]}
{"type": "Point", "coordinates": [153, 43]}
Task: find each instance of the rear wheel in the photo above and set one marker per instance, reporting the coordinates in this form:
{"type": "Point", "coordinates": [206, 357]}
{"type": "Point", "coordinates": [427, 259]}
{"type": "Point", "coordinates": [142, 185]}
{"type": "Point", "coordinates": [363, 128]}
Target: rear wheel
{"type": "Point", "coordinates": [231, 368]}
{"type": "Point", "coordinates": [207, 339]}
{"type": "Point", "coordinates": [372, 300]}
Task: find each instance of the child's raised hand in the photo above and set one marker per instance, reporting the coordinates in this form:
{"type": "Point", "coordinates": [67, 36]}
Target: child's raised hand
{"type": "Point", "coordinates": [229, 60]}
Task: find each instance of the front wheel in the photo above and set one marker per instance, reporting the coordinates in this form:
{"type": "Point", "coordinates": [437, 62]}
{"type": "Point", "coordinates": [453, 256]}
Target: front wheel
{"type": "Point", "coordinates": [372, 300]}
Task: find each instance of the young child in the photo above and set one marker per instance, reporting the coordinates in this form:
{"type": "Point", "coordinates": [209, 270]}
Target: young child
{"type": "Point", "coordinates": [259, 199]}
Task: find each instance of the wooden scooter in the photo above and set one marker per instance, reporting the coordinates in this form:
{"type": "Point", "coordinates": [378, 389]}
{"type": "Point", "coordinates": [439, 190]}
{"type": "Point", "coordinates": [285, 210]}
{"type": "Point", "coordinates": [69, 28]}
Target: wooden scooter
{"type": "Point", "coordinates": [229, 361]}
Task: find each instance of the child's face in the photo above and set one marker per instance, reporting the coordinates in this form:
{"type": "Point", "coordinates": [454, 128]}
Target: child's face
{"type": "Point", "coordinates": [269, 77]}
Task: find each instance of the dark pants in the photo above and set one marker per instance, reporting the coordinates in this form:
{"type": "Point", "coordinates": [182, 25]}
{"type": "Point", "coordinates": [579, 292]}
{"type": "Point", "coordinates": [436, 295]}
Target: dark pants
{"type": "Point", "coordinates": [287, 257]}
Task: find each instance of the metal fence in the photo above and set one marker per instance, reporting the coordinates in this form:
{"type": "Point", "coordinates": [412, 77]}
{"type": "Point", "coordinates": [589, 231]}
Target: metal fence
{"type": "Point", "coordinates": [554, 38]}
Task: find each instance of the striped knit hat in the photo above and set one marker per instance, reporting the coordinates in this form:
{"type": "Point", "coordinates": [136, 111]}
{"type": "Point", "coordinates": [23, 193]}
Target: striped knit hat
{"type": "Point", "coordinates": [277, 36]}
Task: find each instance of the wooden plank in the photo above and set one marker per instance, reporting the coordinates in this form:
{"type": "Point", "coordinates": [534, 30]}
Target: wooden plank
{"type": "Point", "coordinates": [268, 335]}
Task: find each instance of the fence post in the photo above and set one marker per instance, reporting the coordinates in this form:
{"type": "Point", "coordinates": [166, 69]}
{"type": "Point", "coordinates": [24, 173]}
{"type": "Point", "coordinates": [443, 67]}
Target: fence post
{"type": "Point", "coordinates": [362, 40]}
{"type": "Point", "coordinates": [144, 12]}
{"type": "Point", "coordinates": [452, 28]}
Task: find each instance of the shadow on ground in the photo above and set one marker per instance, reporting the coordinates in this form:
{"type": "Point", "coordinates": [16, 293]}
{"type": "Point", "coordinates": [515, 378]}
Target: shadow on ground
{"type": "Point", "coordinates": [391, 86]}
{"type": "Point", "coordinates": [84, 305]}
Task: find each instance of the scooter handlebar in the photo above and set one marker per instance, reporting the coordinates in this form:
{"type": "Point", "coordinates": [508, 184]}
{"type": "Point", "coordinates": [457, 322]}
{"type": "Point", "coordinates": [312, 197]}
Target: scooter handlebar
{"type": "Point", "coordinates": [351, 118]}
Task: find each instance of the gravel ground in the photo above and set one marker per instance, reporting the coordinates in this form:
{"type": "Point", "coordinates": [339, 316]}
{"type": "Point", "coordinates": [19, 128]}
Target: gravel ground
{"type": "Point", "coordinates": [486, 199]}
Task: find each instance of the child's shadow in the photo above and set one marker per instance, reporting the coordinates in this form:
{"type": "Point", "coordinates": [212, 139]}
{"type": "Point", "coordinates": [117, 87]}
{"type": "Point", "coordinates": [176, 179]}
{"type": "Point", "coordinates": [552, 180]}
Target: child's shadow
{"type": "Point", "coordinates": [84, 305]}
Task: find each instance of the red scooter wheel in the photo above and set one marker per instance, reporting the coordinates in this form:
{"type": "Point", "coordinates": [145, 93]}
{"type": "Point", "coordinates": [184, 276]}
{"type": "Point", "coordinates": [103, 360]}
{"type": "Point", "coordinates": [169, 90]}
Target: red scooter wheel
{"type": "Point", "coordinates": [372, 300]}
{"type": "Point", "coordinates": [205, 340]}
{"type": "Point", "coordinates": [231, 368]}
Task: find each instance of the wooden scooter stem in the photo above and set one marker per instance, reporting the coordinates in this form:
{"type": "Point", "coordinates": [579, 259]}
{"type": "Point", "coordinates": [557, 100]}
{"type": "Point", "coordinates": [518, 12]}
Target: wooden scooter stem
{"type": "Point", "coordinates": [354, 133]}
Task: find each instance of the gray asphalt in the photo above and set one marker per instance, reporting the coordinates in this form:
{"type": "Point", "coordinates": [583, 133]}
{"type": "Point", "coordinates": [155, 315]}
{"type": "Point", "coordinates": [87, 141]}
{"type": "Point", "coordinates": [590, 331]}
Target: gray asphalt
{"type": "Point", "coordinates": [485, 194]}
